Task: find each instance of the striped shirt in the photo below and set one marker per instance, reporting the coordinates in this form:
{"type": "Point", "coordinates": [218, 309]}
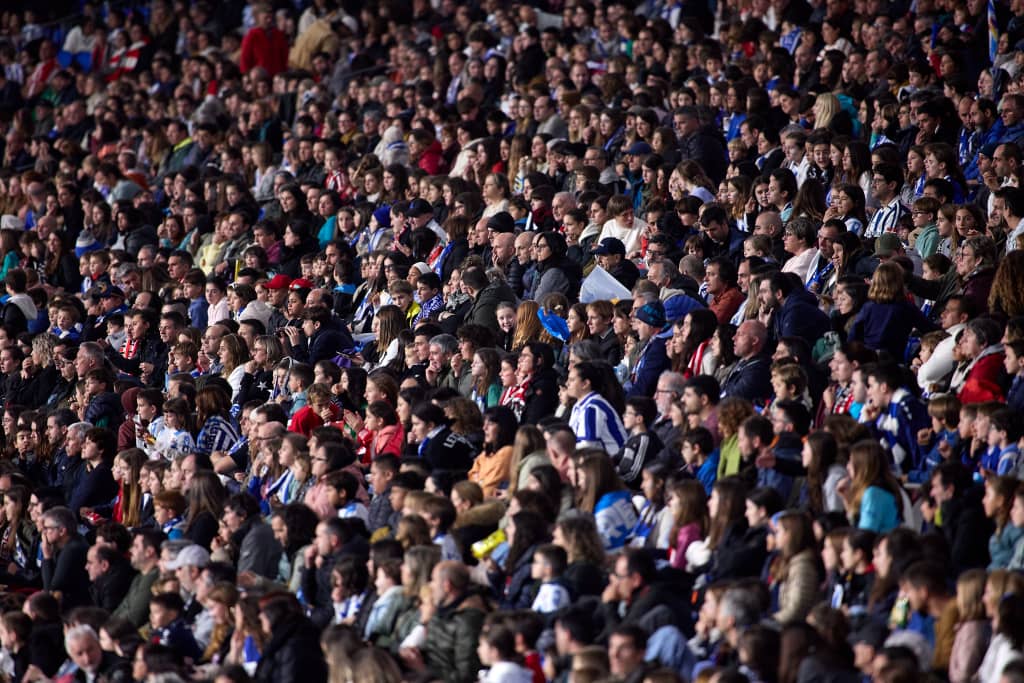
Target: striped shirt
{"type": "Point", "coordinates": [596, 423]}
{"type": "Point", "coordinates": [885, 219]}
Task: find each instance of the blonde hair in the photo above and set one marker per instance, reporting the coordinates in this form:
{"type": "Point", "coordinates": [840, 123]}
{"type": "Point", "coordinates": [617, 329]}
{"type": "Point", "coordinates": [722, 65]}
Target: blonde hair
{"type": "Point", "coordinates": [887, 284]}
{"type": "Point", "coordinates": [970, 588]}
{"type": "Point", "coordinates": [826, 106]}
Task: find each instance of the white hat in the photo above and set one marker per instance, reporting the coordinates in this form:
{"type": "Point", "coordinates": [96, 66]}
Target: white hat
{"type": "Point", "coordinates": [190, 556]}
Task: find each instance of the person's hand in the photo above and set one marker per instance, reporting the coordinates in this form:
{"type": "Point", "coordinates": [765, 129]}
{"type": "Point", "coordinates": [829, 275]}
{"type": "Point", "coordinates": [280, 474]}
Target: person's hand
{"type": "Point", "coordinates": [927, 511]}
{"type": "Point", "coordinates": [432, 373]}
{"type": "Point", "coordinates": [870, 411]}
{"type": "Point", "coordinates": [412, 658]}
{"type": "Point", "coordinates": [945, 450]}
{"type": "Point", "coordinates": [354, 421]}
{"type": "Point", "coordinates": [292, 334]}
{"type": "Point", "coordinates": [221, 268]}
{"type": "Point", "coordinates": [610, 593]}
{"type": "Point", "coordinates": [239, 476]}
{"type": "Point", "coordinates": [309, 555]}
{"type": "Point", "coordinates": [924, 436]}
{"type": "Point", "coordinates": [27, 368]}
{"type": "Point", "coordinates": [251, 367]}
{"type": "Point", "coordinates": [844, 488]}
{"type": "Point", "coordinates": [766, 460]}
{"type": "Point", "coordinates": [325, 413]}
{"type": "Point", "coordinates": [456, 362]}
{"type": "Point", "coordinates": [248, 579]}
{"type": "Point", "coordinates": [47, 548]}
{"type": "Point", "coordinates": [829, 399]}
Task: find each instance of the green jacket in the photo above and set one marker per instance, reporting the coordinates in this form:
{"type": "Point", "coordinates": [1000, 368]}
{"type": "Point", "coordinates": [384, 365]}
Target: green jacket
{"type": "Point", "coordinates": [135, 606]}
{"type": "Point", "coordinates": [928, 241]}
{"type": "Point", "coordinates": [450, 650]}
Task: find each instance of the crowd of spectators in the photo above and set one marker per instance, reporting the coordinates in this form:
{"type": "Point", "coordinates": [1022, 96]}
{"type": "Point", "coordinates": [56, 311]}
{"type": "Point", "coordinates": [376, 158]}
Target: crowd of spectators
{"type": "Point", "coordinates": [646, 341]}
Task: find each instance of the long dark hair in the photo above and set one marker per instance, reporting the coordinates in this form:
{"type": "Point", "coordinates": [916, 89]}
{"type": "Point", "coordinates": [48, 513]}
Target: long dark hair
{"type": "Point", "coordinates": [702, 325]}
{"type": "Point", "coordinates": [531, 530]}
{"type": "Point", "coordinates": [507, 426]}
{"type": "Point", "coordinates": [823, 447]}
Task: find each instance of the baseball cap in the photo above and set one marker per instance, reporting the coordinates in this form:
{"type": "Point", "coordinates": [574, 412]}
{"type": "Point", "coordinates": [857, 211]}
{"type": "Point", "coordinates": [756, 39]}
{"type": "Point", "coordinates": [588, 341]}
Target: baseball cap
{"type": "Point", "coordinates": [639, 148]}
{"type": "Point", "coordinates": [419, 207]}
{"type": "Point", "coordinates": [190, 556]}
{"type": "Point", "coordinates": [609, 245]}
{"type": "Point", "coordinates": [109, 292]}
{"type": "Point", "coordinates": [870, 633]}
{"type": "Point", "coordinates": [279, 281]}
{"type": "Point", "coordinates": [300, 283]}
{"type": "Point", "coordinates": [887, 244]}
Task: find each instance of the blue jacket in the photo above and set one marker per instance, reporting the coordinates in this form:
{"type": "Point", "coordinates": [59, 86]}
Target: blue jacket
{"type": "Point", "coordinates": [750, 379]}
{"type": "Point", "coordinates": [898, 426]}
{"type": "Point", "coordinates": [1000, 546]}
{"type": "Point", "coordinates": [652, 362]}
{"type": "Point", "coordinates": [878, 511]}
{"type": "Point", "coordinates": [886, 327]}
{"type": "Point", "coordinates": [800, 316]}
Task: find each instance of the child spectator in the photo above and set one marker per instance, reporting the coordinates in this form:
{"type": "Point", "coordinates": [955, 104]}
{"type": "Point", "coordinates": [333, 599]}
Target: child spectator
{"type": "Point", "coordinates": [15, 634]}
{"type": "Point", "coordinates": [382, 472]}
{"type": "Point", "coordinates": [982, 451]}
{"type": "Point", "coordinates": [439, 513]}
{"type": "Point", "coordinates": [68, 327]}
{"type": "Point", "coordinates": [643, 445]}
{"type": "Point", "coordinates": [1003, 434]}
{"type": "Point", "coordinates": [929, 342]}
{"type": "Point", "coordinates": [300, 379]}
{"type": "Point", "coordinates": [497, 650]}
{"type": "Point", "coordinates": [858, 572]}
{"type": "Point", "coordinates": [168, 510]}
{"type": "Point", "coordinates": [342, 488]}
{"type": "Point", "coordinates": [384, 431]}
{"type": "Point", "coordinates": [688, 507]}
{"type": "Point", "coordinates": [654, 527]}
{"type": "Point", "coordinates": [302, 477]}
{"type": "Point", "coordinates": [944, 410]}
{"type": "Point", "coordinates": [388, 584]}
{"type": "Point", "coordinates": [170, 431]}
{"type": "Point", "coordinates": [169, 628]}
{"type": "Point", "coordinates": [831, 551]}
{"type": "Point", "coordinates": [700, 457]}
{"type": "Point", "coordinates": [401, 292]}
{"type": "Point", "coordinates": [549, 562]}
{"type": "Point", "coordinates": [789, 383]}
{"type": "Point", "coordinates": [1012, 361]}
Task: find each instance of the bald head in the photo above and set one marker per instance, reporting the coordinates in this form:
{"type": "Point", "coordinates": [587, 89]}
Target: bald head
{"type": "Point", "coordinates": [503, 248]}
{"type": "Point", "coordinates": [768, 223]}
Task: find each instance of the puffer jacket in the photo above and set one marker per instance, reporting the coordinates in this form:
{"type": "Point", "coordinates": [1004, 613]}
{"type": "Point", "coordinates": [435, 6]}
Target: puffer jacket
{"type": "Point", "coordinates": [799, 592]}
{"type": "Point", "coordinates": [449, 652]}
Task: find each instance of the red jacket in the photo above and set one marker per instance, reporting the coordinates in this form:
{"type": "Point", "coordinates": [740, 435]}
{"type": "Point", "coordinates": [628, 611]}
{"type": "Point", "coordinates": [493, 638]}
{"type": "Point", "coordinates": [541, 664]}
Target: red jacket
{"type": "Point", "coordinates": [982, 383]}
{"type": "Point", "coordinates": [268, 49]}
{"type": "Point", "coordinates": [431, 160]}
{"type": "Point", "coordinates": [305, 420]}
